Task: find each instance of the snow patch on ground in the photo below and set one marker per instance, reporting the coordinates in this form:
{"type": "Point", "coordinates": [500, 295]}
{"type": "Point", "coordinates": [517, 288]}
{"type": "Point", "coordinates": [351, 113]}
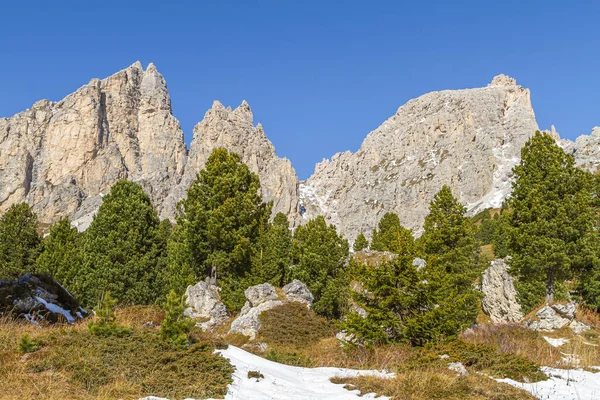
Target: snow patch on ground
{"type": "Point", "coordinates": [562, 384]}
{"type": "Point", "coordinates": [556, 342]}
{"type": "Point", "coordinates": [310, 199]}
{"type": "Point", "coordinates": [56, 309]}
{"type": "Point", "coordinates": [284, 382]}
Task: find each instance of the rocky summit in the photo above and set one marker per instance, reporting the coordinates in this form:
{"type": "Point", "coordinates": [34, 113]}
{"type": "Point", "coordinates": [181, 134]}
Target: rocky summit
{"type": "Point", "coordinates": [60, 157]}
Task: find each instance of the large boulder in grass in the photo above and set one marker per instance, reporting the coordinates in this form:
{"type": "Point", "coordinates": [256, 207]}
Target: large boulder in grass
{"type": "Point", "coordinates": [264, 297]}
{"type": "Point", "coordinates": [205, 305]}
{"type": "Point", "coordinates": [37, 297]}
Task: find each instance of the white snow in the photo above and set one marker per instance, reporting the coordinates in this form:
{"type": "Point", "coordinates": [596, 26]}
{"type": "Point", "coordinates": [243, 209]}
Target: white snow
{"type": "Point", "coordinates": [556, 342]}
{"type": "Point", "coordinates": [563, 384]}
{"type": "Point", "coordinates": [56, 309]}
{"type": "Point", "coordinates": [309, 196]}
{"type": "Point", "coordinates": [287, 382]}
{"type": "Point", "coordinates": [284, 382]}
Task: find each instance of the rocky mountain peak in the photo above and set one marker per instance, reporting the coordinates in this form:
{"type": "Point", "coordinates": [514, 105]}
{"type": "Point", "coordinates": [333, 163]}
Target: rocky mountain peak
{"type": "Point", "coordinates": [503, 80]}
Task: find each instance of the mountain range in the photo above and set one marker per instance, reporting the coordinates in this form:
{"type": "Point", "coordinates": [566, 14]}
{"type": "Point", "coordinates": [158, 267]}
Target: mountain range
{"type": "Point", "coordinates": [61, 157]}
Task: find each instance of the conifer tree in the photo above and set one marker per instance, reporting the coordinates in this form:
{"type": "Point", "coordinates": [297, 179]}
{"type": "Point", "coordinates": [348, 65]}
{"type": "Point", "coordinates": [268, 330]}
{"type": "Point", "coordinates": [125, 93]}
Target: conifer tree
{"type": "Point", "coordinates": [360, 243]}
{"type": "Point", "coordinates": [552, 219]}
{"type": "Point", "coordinates": [449, 247]}
{"type": "Point", "coordinates": [390, 235]}
{"type": "Point", "coordinates": [19, 241]}
{"type": "Point", "coordinates": [221, 220]}
{"type": "Point", "coordinates": [319, 254]}
{"type": "Point", "coordinates": [176, 326]}
{"type": "Point", "coordinates": [274, 255]}
{"type": "Point", "coordinates": [122, 249]}
{"type": "Point", "coordinates": [61, 257]}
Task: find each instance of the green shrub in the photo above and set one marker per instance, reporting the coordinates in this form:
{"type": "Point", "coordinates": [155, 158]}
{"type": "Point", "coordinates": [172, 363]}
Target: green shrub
{"type": "Point", "coordinates": [176, 326]}
{"type": "Point", "coordinates": [106, 324]}
{"type": "Point", "coordinates": [26, 345]}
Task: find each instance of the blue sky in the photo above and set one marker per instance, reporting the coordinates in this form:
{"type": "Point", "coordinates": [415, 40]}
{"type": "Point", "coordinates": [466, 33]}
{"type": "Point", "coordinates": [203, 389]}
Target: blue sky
{"type": "Point", "coordinates": [319, 75]}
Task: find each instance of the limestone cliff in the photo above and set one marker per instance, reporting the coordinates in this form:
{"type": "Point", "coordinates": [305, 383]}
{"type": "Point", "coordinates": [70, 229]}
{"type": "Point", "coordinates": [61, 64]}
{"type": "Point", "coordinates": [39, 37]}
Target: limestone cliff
{"type": "Point", "coordinates": [467, 139]}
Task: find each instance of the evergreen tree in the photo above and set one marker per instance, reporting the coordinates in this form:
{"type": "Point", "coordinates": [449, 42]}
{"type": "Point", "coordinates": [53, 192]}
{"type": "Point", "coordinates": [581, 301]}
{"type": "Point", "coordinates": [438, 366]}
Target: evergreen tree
{"type": "Point", "coordinates": [19, 241]}
{"type": "Point", "coordinates": [176, 326]}
{"type": "Point", "coordinates": [105, 323]}
{"type": "Point", "coordinates": [221, 221]}
{"type": "Point", "coordinates": [393, 294]}
{"type": "Point", "coordinates": [274, 255]}
{"type": "Point", "coordinates": [449, 247]}
{"type": "Point", "coordinates": [122, 248]}
{"type": "Point", "coordinates": [390, 235]}
{"type": "Point", "coordinates": [61, 256]}
{"type": "Point", "coordinates": [319, 254]}
{"type": "Point", "coordinates": [552, 219]}
{"type": "Point", "coordinates": [361, 242]}
{"type": "Point", "coordinates": [487, 228]}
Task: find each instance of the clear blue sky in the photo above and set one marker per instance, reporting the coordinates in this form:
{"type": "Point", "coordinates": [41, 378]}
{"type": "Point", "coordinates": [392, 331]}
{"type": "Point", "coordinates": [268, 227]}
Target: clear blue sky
{"type": "Point", "coordinates": [319, 75]}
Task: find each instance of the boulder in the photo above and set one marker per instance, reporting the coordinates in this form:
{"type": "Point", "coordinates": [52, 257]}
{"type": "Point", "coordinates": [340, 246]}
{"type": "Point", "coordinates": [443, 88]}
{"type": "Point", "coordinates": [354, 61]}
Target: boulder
{"type": "Point", "coordinates": [205, 304]}
{"type": "Point", "coordinates": [263, 297]}
{"type": "Point", "coordinates": [579, 327]}
{"type": "Point", "coordinates": [297, 291]}
{"type": "Point", "coordinates": [458, 367]}
{"type": "Point", "coordinates": [500, 297]}
{"type": "Point", "coordinates": [553, 317]}
{"type": "Point", "coordinates": [37, 297]}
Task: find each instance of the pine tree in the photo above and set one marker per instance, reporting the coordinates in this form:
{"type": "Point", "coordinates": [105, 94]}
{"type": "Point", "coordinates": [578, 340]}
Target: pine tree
{"type": "Point", "coordinates": [105, 323]}
{"type": "Point", "coordinates": [319, 254]}
{"type": "Point", "coordinates": [61, 256]}
{"type": "Point", "coordinates": [19, 241]}
{"type": "Point", "coordinates": [449, 247]}
{"type": "Point", "coordinates": [176, 326]}
{"type": "Point", "coordinates": [392, 293]}
{"type": "Point", "coordinates": [552, 220]}
{"type": "Point", "coordinates": [221, 220]}
{"type": "Point", "coordinates": [273, 258]}
{"type": "Point", "coordinates": [361, 242]}
{"type": "Point", "coordinates": [390, 235]}
{"type": "Point", "coordinates": [122, 248]}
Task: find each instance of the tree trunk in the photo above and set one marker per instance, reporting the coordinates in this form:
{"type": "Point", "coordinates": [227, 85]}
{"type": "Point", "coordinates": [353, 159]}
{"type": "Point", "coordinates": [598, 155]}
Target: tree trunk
{"type": "Point", "coordinates": [550, 287]}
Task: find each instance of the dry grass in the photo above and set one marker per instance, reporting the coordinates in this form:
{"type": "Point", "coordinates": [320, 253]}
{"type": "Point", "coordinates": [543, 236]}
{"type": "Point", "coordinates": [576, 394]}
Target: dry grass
{"type": "Point", "coordinates": [74, 364]}
{"type": "Point", "coordinates": [427, 384]}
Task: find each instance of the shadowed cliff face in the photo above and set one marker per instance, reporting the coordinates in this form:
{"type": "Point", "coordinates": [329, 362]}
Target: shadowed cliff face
{"type": "Point", "coordinates": [61, 157]}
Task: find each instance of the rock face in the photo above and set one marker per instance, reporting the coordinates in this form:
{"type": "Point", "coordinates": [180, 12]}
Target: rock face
{"type": "Point", "coordinates": [61, 157]}
{"type": "Point", "coordinates": [205, 304]}
{"type": "Point", "coordinates": [39, 298]}
{"type": "Point", "coordinates": [585, 149]}
{"type": "Point", "coordinates": [263, 297]}
{"type": "Point", "coordinates": [235, 130]}
{"type": "Point", "coordinates": [297, 291]}
{"type": "Point", "coordinates": [553, 317]}
{"type": "Point", "coordinates": [500, 297]}
{"type": "Point", "coordinates": [467, 139]}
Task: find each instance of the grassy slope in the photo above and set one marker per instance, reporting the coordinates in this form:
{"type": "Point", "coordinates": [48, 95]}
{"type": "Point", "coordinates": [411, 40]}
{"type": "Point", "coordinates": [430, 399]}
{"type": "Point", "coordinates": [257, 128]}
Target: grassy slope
{"type": "Point", "coordinates": [74, 364]}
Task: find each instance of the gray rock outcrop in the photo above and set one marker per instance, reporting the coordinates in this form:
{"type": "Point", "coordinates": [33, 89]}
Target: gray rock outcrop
{"type": "Point", "coordinates": [205, 305]}
{"type": "Point", "coordinates": [235, 131]}
{"type": "Point", "coordinates": [264, 297]}
{"type": "Point", "coordinates": [556, 316]}
{"type": "Point", "coordinates": [298, 291]}
{"type": "Point", "coordinates": [54, 156]}
{"type": "Point", "coordinates": [38, 298]}
{"type": "Point", "coordinates": [61, 157]}
{"type": "Point", "coordinates": [467, 139]}
{"type": "Point", "coordinates": [500, 297]}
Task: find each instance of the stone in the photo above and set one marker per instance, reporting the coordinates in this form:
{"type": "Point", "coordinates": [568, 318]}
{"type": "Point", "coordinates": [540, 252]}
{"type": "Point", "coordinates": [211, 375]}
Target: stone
{"type": "Point", "coordinates": [419, 263]}
{"type": "Point", "coordinates": [459, 368]}
{"type": "Point", "coordinates": [37, 298]}
{"type": "Point", "coordinates": [205, 304]}
{"type": "Point", "coordinates": [579, 327]}
{"type": "Point", "coordinates": [260, 298]}
{"type": "Point", "coordinates": [566, 310]}
{"type": "Point", "coordinates": [467, 139]}
{"type": "Point", "coordinates": [500, 296]}
{"type": "Point", "coordinates": [256, 295]}
{"type": "Point", "coordinates": [549, 319]}
{"type": "Point", "coordinates": [298, 291]}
